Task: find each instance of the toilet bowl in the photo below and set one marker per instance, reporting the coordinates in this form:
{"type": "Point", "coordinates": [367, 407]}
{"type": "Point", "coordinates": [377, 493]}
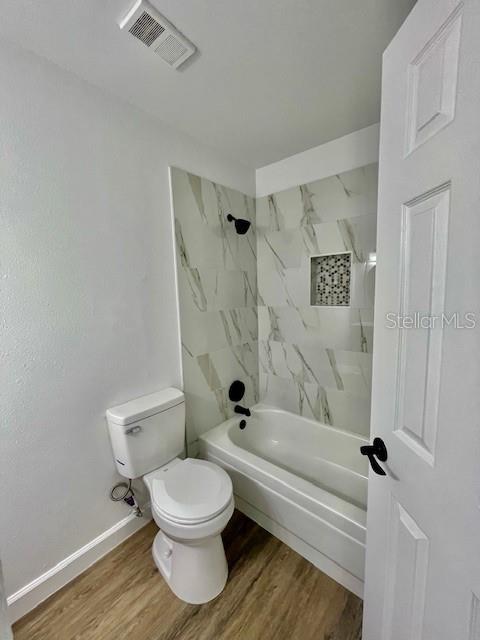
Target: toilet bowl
{"type": "Point", "coordinates": [192, 501]}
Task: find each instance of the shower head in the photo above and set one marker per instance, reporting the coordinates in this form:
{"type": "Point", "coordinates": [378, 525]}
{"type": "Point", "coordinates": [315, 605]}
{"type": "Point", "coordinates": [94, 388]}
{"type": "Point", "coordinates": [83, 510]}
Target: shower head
{"type": "Point", "coordinates": [241, 226]}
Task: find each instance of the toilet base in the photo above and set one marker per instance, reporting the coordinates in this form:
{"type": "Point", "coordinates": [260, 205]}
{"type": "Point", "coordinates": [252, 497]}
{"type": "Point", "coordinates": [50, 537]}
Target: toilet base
{"type": "Point", "coordinates": [195, 570]}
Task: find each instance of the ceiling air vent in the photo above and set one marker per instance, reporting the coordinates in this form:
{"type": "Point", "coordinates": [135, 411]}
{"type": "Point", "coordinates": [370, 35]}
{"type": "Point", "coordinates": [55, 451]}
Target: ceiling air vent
{"type": "Point", "coordinates": [147, 25]}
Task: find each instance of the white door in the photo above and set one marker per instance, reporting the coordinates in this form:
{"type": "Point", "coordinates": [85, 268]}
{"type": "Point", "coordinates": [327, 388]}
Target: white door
{"type": "Point", "coordinates": [423, 531]}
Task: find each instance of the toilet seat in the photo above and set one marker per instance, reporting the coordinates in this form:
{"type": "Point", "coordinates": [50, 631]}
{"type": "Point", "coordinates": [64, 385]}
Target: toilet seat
{"type": "Point", "coordinates": [191, 492]}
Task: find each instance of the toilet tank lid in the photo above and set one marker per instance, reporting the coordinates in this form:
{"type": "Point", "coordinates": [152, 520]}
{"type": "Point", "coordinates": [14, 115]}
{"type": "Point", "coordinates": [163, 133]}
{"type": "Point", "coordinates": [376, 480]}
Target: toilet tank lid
{"type": "Point", "coordinates": [145, 406]}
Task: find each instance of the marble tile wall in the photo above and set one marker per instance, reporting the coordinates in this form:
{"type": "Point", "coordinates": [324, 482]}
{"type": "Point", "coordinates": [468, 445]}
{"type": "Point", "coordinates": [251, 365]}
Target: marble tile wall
{"type": "Point", "coordinates": [316, 361]}
{"type": "Point", "coordinates": [245, 300]}
{"type": "Point", "coordinates": [217, 285]}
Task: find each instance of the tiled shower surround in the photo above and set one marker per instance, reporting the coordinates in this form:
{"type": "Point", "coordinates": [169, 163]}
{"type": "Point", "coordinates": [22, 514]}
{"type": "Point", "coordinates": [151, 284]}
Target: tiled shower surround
{"type": "Point", "coordinates": [316, 361]}
{"type": "Point", "coordinates": [217, 285]}
{"type": "Point", "coordinates": [311, 360]}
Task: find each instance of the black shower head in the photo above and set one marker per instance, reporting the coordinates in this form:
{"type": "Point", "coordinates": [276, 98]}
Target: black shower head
{"type": "Point", "coordinates": [241, 226]}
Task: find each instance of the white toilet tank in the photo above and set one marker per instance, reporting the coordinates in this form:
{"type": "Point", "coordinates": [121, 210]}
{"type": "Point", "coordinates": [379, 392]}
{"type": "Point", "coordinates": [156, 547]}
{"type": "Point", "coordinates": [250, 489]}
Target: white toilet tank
{"type": "Point", "coordinates": [147, 432]}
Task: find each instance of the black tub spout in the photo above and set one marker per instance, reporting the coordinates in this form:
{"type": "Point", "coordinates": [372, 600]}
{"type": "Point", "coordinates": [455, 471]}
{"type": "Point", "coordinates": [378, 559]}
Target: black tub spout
{"type": "Point", "coordinates": [242, 411]}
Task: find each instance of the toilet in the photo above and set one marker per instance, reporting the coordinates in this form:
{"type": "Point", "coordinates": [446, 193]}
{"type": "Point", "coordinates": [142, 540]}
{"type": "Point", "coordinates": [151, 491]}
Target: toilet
{"type": "Point", "coordinates": [191, 499]}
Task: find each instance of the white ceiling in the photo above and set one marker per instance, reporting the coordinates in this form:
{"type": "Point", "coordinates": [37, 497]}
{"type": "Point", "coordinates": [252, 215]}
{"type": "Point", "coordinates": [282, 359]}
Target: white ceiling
{"type": "Point", "coordinates": [273, 77]}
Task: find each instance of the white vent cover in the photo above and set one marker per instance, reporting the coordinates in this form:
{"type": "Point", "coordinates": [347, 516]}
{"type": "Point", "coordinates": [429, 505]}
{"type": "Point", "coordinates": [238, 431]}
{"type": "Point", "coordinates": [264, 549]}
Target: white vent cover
{"type": "Point", "coordinates": [147, 25]}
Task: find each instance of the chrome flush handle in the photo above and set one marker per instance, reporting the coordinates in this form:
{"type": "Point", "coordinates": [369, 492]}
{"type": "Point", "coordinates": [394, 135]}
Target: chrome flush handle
{"type": "Point", "coordinates": [133, 430]}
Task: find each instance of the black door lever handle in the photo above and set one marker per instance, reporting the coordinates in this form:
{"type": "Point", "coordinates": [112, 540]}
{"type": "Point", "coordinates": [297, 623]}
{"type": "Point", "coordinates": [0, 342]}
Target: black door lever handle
{"type": "Point", "coordinates": [374, 451]}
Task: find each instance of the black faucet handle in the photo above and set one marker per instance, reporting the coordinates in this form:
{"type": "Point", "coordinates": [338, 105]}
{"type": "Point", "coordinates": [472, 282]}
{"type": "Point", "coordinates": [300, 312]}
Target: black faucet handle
{"type": "Point", "coordinates": [236, 391]}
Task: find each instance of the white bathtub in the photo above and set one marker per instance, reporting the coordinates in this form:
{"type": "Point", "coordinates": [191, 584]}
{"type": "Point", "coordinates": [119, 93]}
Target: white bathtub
{"type": "Point", "coordinates": [303, 481]}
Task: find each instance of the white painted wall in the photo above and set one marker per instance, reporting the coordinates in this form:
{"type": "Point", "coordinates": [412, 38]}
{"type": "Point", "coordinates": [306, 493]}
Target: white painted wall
{"type": "Point", "coordinates": [88, 298]}
{"type": "Point", "coordinates": [349, 152]}
{"type": "Point", "coordinates": [5, 630]}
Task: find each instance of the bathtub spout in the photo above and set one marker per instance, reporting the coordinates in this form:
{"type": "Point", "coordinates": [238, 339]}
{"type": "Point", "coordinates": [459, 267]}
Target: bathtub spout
{"type": "Point", "coordinates": [242, 411]}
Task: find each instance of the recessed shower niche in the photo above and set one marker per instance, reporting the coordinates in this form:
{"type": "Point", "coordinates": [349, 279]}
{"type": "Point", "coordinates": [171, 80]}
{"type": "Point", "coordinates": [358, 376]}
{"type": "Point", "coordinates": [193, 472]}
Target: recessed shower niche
{"type": "Point", "coordinates": [330, 280]}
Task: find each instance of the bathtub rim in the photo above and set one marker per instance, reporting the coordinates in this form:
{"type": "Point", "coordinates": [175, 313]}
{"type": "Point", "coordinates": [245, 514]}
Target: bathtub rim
{"type": "Point", "coordinates": [318, 500]}
{"type": "Point", "coordinates": [315, 424]}
{"type": "Point", "coordinates": [261, 407]}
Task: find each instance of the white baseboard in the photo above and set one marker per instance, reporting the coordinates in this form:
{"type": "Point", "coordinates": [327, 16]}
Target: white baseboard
{"type": "Point", "coordinates": [32, 594]}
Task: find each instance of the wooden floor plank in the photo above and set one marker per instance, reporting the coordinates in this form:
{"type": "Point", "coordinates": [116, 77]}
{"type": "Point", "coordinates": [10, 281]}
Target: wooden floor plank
{"type": "Point", "coordinates": [272, 594]}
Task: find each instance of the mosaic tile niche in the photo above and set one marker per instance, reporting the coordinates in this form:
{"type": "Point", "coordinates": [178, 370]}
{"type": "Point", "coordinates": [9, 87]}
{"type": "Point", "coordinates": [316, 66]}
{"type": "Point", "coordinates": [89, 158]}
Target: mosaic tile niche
{"type": "Point", "coordinates": [330, 278]}
{"type": "Point", "coordinates": [217, 288]}
{"type": "Point", "coordinates": [315, 359]}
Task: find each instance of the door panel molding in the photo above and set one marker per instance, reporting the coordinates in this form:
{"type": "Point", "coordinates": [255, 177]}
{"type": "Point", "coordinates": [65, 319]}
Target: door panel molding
{"type": "Point", "coordinates": [432, 83]}
{"type": "Point", "coordinates": [406, 576]}
{"type": "Point", "coordinates": [424, 246]}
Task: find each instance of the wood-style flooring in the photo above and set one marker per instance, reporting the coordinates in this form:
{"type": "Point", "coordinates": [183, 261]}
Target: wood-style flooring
{"type": "Point", "coordinates": [272, 594]}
